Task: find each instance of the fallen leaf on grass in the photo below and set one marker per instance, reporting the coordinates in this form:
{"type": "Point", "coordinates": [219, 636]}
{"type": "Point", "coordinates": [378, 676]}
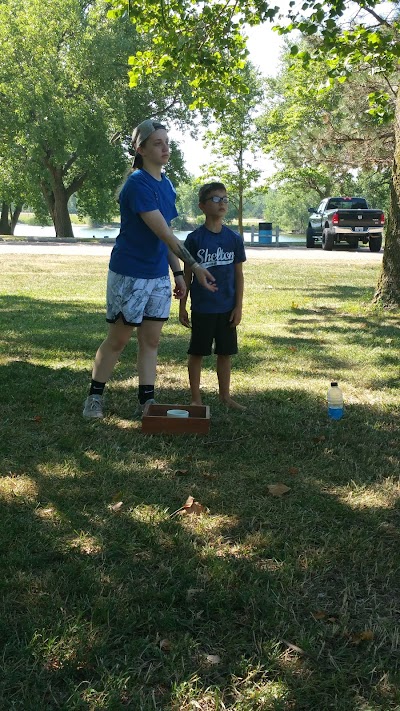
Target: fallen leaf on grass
{"type": "Point", "coordinates": [37, 418]}
{"type": "Point", "coordinates": [320, 438]}
{"type": "Point", "coordinates": [319, 615]}
{"type": "Point", "coordinates": [53, 665]}
{"type": "Point", "coordinates": [293, 470]}
{"type": "Point", "coordinates": [190, 507]}
{"type": "Point", "coordinates": [387, 527]}
{"type": "Point", "coordinates": [181, 472]}
{"type": "Point", "coordinates": [192, 592]}
{"type": "Point", "coordinates": [292, 348]}
{"type": "Point", "coordinates": [323, 615]}
{"type": "Point", "coordinates": [295, 648]}
{"type": "Point", "coordinates": [116, 507]}
{"type": "Point", "coordinates": [294, 305]}
{"type": "Point", "coordinates": [278, 489]}
{"type": "Point", "coordinates": [165, 645]}
{"type": "Point", "coordinates": [213, 658]}
{"type": "Point", "coordinates": [364, 636]}
{"type": "Point", "coordinates": [207, 475]}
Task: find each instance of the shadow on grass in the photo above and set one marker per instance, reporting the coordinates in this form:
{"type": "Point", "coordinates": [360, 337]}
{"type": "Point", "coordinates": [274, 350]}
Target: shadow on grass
{"type": "Point", "coordinates": [324, 292]}
{"type": "Point", "coordinates": [38, 328]}
{"type": "Point", "coordinates": [35, 329]}
{"type": "Point", "coordinates": [88, 593]}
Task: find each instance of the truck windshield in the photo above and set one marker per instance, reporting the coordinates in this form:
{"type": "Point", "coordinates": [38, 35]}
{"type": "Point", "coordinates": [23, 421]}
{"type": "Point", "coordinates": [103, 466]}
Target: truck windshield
{"type": "Point", "coordinates": [347, 204]}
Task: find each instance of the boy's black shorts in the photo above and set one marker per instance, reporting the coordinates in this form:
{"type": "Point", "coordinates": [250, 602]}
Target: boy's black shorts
{"type": "Point", "coordinates": [207, 328]}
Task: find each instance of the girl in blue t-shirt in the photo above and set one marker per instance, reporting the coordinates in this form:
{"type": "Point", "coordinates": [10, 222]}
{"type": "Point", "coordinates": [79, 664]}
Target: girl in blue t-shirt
{"type": "Point", "coordinates": [138, 285]}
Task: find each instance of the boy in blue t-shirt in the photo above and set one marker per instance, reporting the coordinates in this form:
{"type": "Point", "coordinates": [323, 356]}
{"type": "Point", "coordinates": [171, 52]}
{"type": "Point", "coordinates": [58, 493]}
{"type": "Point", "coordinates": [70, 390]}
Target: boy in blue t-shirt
{"type": "Point", "coordinates": [214, 316]}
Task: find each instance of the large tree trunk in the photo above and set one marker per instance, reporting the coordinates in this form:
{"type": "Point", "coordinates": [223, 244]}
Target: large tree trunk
{"type": "Point", "coordinates": [57, 203]}
{"type": "Point", "coordinates": [388, 288]}
{"type": "Point", "coordinates": [5, 227]}
{"type": "Point", "coordinates": [60, 215]}
{"type": "Point", "coordinates": [57, 195]}
{"type": "Point", "coordinates": [9, 218]}
{"type": "Point", "coordinates": [15, 217]}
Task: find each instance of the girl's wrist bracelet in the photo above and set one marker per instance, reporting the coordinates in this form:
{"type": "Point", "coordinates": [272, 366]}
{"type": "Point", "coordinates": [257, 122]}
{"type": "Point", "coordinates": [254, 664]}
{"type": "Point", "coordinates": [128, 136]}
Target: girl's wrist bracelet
{"type": "Point", "coordinates": [178, 273]}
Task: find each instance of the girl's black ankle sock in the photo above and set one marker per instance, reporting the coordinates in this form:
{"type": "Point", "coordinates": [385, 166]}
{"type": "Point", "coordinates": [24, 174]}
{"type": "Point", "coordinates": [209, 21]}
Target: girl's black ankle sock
{"type": "Point", "coordinates": [96, 388]}
{"type": "Point", "coordinates": [146, 392]}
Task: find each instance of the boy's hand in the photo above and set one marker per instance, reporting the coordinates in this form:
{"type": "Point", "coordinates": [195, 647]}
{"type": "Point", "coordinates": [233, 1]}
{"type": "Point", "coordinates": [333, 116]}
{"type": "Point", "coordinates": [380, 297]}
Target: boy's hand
{"type": "Point", "coordinates": [236, 316]}
{"type": "Point", "coordinates": [184, 316]}
{"type": "Point", "coordinates": [205, 278]}
{"type": "Point", "coordinates": [180, 288]}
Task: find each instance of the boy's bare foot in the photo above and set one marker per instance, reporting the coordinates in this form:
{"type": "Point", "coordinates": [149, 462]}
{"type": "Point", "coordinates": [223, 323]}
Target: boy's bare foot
{"type": "Point", "coordinates": [232, 403]}
{"type": "Point", "coordinates": [196, 402]}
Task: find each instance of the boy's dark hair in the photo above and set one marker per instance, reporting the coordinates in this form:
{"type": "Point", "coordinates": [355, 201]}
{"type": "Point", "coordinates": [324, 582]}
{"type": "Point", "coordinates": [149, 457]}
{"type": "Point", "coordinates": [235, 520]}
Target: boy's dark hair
{"type": "Point", "coordinates": [208, 188]}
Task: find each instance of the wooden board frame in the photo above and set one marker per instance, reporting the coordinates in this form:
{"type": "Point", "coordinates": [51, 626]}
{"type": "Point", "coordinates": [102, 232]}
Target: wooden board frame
{"type": "Point", "coordinates": [155, 419]}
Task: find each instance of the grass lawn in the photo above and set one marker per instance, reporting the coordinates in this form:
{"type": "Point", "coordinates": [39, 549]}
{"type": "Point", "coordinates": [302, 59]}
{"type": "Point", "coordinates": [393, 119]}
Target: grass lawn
{"type": "Point", "coordinates": [263, 602]}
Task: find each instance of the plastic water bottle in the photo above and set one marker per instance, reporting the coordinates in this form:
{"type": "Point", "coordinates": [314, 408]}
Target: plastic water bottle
{"type": "Point", "coordinates": [335, 402]}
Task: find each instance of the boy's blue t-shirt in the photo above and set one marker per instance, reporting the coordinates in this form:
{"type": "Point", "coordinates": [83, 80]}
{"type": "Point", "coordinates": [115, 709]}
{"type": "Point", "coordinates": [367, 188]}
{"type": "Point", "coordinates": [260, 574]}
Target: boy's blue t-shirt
{"type": "Point", "coordinates": [218, 253]}
{"type": "Point", "coordinates": [138, 252]}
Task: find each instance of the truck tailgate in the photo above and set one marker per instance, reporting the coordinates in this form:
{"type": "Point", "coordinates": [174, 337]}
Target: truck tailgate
{"type": "Point", "coordinates": [360, 218]}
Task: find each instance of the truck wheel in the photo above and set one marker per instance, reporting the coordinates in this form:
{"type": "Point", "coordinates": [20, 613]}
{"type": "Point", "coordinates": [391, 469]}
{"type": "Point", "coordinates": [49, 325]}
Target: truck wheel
{"type": "Point", "coordinates": [310, 242]}
{"type": "Point", "coordinates": [328, 240]}
{"type": "Point", "coordinates": [375, 244]}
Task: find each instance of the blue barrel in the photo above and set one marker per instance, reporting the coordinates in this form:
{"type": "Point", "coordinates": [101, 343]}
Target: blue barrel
{"type": "Point", "coordinates": [265, 232]}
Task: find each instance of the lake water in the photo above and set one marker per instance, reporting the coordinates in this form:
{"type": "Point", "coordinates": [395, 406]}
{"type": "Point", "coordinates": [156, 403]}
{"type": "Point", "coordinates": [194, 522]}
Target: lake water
{"type": "Point", "coordinates": [86, 232]}
{"type": "Point", "coordinates": [80, 231]}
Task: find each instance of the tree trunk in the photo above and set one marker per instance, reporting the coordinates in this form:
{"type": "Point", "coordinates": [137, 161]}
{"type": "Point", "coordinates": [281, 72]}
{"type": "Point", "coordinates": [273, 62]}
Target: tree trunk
{"type": "Point", "coordinates": [15, 217]}
{"type": "Point", "coordinates": [61, 216]}
{"type": "Point", "coordinates": [9, 218]}
{"type": "Point", "coordinates": [240, 213]}
{"type": "Point", "coordinates": [5, 227]}
{"type": "Point", "coordinates": [388, 288]}
{"type": "Point", "coordinates": [57, 202]}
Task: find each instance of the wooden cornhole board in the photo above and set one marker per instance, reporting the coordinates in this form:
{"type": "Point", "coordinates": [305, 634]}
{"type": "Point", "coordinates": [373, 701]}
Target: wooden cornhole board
{"type": "Point", "coordinates": [155, 419]}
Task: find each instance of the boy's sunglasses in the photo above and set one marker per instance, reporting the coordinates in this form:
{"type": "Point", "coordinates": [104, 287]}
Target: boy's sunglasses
{"type": "Point", "coordinates": [217, 199]}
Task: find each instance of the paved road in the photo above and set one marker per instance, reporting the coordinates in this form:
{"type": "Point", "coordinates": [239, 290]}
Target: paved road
{"type": "Point", "coordinates": [360, 256]}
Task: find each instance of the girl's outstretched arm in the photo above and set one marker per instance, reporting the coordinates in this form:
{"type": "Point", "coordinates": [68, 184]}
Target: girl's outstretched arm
{"type": "Point", "coordinates": [156, 222]}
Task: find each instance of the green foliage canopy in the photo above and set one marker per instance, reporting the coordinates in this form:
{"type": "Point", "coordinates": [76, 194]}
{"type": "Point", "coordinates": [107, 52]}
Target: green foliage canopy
{"type": "Point", "coordinates": [68, 108]}
{"type": "Point", "coordinates": [203, 42]}
{"type": "Point", "coordinates": [317, 136]}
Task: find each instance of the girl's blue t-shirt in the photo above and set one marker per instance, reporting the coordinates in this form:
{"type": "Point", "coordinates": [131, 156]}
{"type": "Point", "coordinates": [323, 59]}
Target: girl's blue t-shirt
{"type": "Point", "coordinates": [218, 253]}
{"type": "Point", "coordinates": [138, 252]}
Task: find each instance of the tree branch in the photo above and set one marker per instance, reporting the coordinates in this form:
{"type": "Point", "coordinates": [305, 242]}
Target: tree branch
{"type": "Point", "coordinates": [391, 88]}
{"type": "Point", "coordinates": [69, 162]}
{"type": "Point", "coordinates": [378, 18]}
{"type": "Point", "coordinates": [76, 184]}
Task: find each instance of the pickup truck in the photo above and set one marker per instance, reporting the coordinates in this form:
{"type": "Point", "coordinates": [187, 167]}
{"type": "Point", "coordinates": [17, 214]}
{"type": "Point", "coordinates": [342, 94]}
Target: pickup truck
{"type": "Point", "coordinates": [345, 219]}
